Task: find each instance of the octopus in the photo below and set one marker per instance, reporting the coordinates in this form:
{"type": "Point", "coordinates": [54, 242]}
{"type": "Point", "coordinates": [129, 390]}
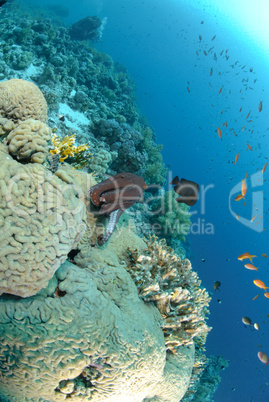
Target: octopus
{"type": "Point", "coordinates": [113, 196]}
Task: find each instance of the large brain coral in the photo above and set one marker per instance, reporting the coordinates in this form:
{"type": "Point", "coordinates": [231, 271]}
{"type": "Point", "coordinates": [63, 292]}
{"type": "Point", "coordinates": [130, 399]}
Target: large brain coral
{"type": "Point", "coordinates": [42, 217]}
{"type": "Point", "coordinates": [29, 141]}
{"type": "Point", "coordinates": [88, 336]}
{"type": "Point", "coordinates": [21, 100]}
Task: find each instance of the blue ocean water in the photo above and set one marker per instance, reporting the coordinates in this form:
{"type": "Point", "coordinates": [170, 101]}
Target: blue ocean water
{"type": "Point", "coordinates": [170, 48]}
{"type": "Point", "coordinates": [159, 43]}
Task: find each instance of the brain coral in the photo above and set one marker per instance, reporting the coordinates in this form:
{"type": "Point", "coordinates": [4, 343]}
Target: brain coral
{"type": "Point", "coordinates": [88, 336]}
{"type": "Point", "coordinates": [21, 100]}
{"type": "Point", "coordinates": [29, 141]}
{"type": "Point", "coordinates": [42, 217]}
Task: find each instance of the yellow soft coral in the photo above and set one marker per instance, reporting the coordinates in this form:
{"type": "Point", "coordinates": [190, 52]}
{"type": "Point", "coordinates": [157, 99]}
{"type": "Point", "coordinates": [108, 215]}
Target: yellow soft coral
{"type": "Point", "coordinates": [65, 147]}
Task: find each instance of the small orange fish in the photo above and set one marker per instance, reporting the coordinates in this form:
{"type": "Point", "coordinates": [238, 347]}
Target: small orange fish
{"type": "Point", "coordinates": [252, 219]}
{"type": "Point", "coordinates": [211, 71]}
{"type": "Point", "coordinates": [188, 89]}
{"type": "Point", "coordinates": [264, 255]}
{"type": "Point", "coordinates": [240, 110]}
{"type": "Point", "coordinates": [220, 90]}
{"type": "Point", "coordinates": [266, 295]}
{"type": "Point", "coordinates": [260, 106]}
{"type": "Point", "coordinates": [245, 256]}
{"type": "Point", "coordinates": [246, 175]}
{"type": "Point", "coordinates": [239, 197]}
{"type": "Point", "coordinates": [219, 132]}
{"type": "Point", "coordinates": [243, 188]}
{"type": "Point", "coordinates": [249, 147]}
{"type": "Point", "coordinates": [256, 297]}
{"type": "Point", "coordinates": [263, 358]}
{"type": "Point", "coordinates": [236, 158]}
{"type": "Point", "coordinates": [243, 128]}
{"type": "Point", "coordinates": [260, 284]}
{"type": "Point", "coordinates": [264, 168]}
{"type": "Point", "coordinates": [237, 217]}
{"type": "Point", "coordinates": [251, 267]}
{"type": "Point", "coordinates": [248, 115]}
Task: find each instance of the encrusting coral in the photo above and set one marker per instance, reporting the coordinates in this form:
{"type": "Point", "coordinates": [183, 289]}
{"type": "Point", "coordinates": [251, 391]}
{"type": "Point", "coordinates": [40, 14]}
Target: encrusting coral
{"type": "Point", "coordinates": [162, 277]}
{"type": "Point", "coordinates": [22, 100]}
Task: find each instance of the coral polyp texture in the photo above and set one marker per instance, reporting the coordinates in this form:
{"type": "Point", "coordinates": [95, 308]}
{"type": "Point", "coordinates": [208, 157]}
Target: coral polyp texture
{"type": "Point", "coordinates": [42, 217]}
{"type": "Point", "coordinates": [88, 336]}
{"type": "Point", "coordinates": [29, 141]}
{"type": "Point", "coordinates": [21, 100]}
{"type": "Point", "coordinates": [162, 277]}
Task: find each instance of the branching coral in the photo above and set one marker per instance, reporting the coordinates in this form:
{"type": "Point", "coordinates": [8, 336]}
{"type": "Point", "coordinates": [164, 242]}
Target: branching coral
{"type": "Point", "coordinates": [64, 147]}
{"type": "Point", "coordinates": [162, 277]}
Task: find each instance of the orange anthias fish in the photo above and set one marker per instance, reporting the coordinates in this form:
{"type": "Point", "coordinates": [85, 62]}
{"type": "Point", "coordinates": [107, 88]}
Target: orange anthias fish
{"type": "Point", "coordinates": [266, 295]}
{"type": "Point", "coordinates": [248, 115]}
{"type": "Point", "coordinates": [219, 132]}
{"type": "Point", "coordinates": [243, 188]}
{"type": "Point", "coordinates": [245, 256]}
{"type": "Point", "coordinates": [249, 147]}
{"type": "Point", "coordinates": [251, 267]}
{"type": "Point", "coordinates": [253, 218]}
{"type": "Point", "coordinates": [260, 106]}
{"type": "Point", "coordinates": [220, 90]}
{"type": "Point", "coordinates": [264, 255]}
{"type": "Point", "coordinates": [260, 284]}
{"type": "Point", "coordinates": [256, 297]}
{"type": "Point", "coordinates": [263, 358]}
{"type": "Point", "coordinates": [236, 158]}
{"type": "Point", "coordinates": [239, 197]}
{"type": "Point", "coordinates": [264, 168]}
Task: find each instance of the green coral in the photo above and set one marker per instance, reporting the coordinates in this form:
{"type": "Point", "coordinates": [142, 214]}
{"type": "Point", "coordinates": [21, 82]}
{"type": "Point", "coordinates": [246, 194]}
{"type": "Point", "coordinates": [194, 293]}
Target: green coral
{"type": "Point", "coordinates": [170, 219]}
{"type": "Point", "coordinates": [155, 169]}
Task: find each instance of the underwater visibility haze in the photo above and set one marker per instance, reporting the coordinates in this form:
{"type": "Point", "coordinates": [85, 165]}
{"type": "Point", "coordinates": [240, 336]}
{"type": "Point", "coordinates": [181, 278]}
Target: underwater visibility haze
{"type": "Point", "coordinates": [89, 310]}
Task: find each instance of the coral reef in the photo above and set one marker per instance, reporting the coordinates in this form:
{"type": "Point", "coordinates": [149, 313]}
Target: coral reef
{"type": "Point", "coordinates": [42, 219]}
{"type": "Point", "coordinates": [29, 141]}
{"type": "Point", "coordinates": [6, 126]}
{"type": "Point", "coordinates": [22, 100]}
{"type": "Point", "coordinates": [86, 29]}
{"type": "Point", "coordinates": [204, 389]}
{"type": "Point", "coordinates": [71, 73]}
{"type": "Point", "coordinates": [101, 160]}
{"type": "Point", "coordinates": [65, 148]}
{"type": "Point", "coordinates": [135, 148]}
{"type": "Point", "coordinates": [162, 277]}
{"type": "Point", "coordinates": [172, 219]}
{"type": "Point", "coordinates": [86, 334]}
{"type": "Point", "coordinates": [131, 313]}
